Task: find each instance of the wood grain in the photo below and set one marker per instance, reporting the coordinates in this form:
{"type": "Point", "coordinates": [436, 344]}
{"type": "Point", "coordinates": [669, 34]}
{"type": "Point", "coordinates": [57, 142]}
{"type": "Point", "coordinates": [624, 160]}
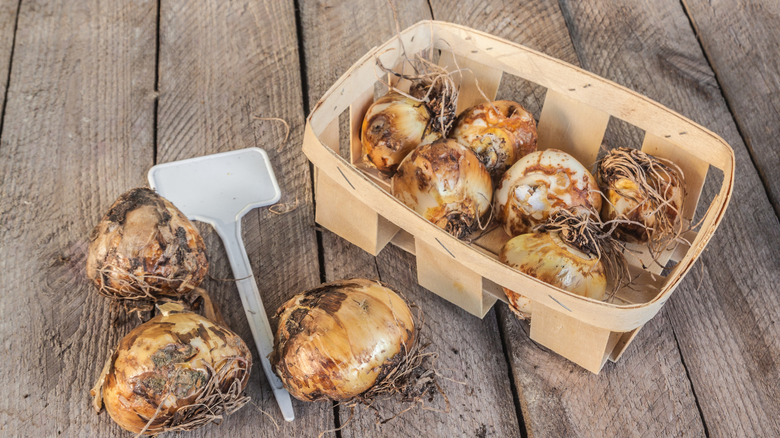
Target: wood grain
{"type": "Point", "coordinates": [221, 64]}
{"type": "Point", "coordinates": [739, 39]}
{"type": "Point", "coordinates": [469, 349]}
{"type": "Point", "coordinates": [78, 132]}
{"type": "Point", "coordinates": [8, 14]}
{"type": "Point", "coordinates": [725, 327]}
{"type": "Point", "coordinates": [646, 394]}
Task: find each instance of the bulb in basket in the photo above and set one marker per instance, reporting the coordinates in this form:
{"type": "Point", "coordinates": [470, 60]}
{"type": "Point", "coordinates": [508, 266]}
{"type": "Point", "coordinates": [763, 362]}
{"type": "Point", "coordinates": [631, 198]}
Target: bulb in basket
{"type": "Point", "coordinates": [499, 132]}
{"type": "Point", "coordinates": [644, 194]}
{"type": "Point", "coordinates": [398, 122]}
{"type": "Point", "coordinates": [447, 184]}
{"type": "Point", "coordinates": [539, 184]}
{"type": "Point", "coordinates": [571, 251]}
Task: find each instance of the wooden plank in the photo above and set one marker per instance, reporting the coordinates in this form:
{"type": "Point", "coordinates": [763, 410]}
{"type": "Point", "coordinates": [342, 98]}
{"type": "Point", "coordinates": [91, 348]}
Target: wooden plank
{"type": "Point", "coordinates": [629, 398]}
{"type": "Point", "coordinates": [726, 326]}
{"type": "Point", "coordinates": [335, 36]}
{"type": "Point", "coordinates": [8, 13]}
{"type": "Point", "coordinates": [78, 132]}
{"type": "Point", "coordinates": [740, 39]}
{"type": "Point", "coordinates": [578, 397]}
{"type": "Point", "coordinates": [221, 63]}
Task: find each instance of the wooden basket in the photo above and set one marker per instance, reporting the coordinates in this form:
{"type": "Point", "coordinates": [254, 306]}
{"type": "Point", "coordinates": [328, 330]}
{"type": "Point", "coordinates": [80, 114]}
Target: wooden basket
{"type": "Point", "coordinates": [355, 203]}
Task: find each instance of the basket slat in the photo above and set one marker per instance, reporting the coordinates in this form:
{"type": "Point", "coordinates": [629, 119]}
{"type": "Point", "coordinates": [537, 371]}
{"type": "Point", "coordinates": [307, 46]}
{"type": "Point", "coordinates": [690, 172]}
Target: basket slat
{"type": "Point", "coordinates": [342, 213]}
{"type": "Point", "coordinates": [581, 343]}
{"type": "Point", "coordinates": [571, 126]}
{"type": "Point", "coordinates": [443, 275]}
{"type": "Point", "coordinates": [356, 111]}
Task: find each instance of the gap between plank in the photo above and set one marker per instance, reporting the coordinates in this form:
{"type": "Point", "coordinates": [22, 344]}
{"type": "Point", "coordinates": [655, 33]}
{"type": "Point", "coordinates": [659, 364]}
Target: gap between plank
{"type": "Point", "coordinates": [430, 8]}
{"type": "Point", "coordinates": [305, 104]}
{"type": "Point", "coordinates": [10, 66]}
{"type": "Point", "coordinates": [156, 83]}
{"type": "Point", "coordinates": [688, 375]}
{"type": "Point", "coordinates": [317, 232]}
{"type": "Point", "coordinates": [156, 102]}
{"type": "Point", "coordinates": [567, 22]}
{"type": "Point", "coordinates": [511, 378]}
{"type": "Point", "coordinates": [774, 202]}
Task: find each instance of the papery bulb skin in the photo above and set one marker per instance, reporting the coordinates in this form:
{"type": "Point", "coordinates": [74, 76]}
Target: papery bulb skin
{"type": "Point", "coordinates": [145, 248]}
{"type": "Point", "coordinates": [499, 132]}
{"type": "Point", "coordinates": [547, 257]}
{"type": "Point", "coordinates": [539, 184]}
{"type": "Point", "coordinates": [447, 184]}
{"type": "Point", "coordinates": [338, 340]}
{"type": "Point", "coordinates": [171, 363]}
{"type": "Point", "coordinates": [393, 126]}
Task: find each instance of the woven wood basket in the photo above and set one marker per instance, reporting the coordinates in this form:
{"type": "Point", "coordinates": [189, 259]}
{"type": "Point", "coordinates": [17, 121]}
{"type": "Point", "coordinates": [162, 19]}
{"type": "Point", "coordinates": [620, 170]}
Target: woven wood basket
{"type": "Point", "coordinates": [355, 202]}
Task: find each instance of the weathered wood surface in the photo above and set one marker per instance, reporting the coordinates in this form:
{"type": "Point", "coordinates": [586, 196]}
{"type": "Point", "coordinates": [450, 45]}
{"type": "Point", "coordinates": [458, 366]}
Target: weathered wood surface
{"type": "Point", "coordinates": [726, 327]}
{"type": "Point", "coordinates": [78, 131]}
{"type": "Point", "coordinates": [740, 40]}
{"type": "Point", "coordinates": [8, 14]}
{"type": "Point", "coordinates": [79, 128]}
{"type": "Point", "coordinates": [483, 402]}
{"type": "Point", "coordinates": [648, 392]}
{"type": "Point", "coordinates": [222, 64]}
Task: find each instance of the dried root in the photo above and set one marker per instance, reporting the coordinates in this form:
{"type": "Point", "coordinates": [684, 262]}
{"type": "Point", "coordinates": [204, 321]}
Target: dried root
{"type": "Point", "coordinates": [213, 403]}
{"type": "Point", "coordinates": [650, 190]}
{"type": "Point", "coordinates": [432, 85]}
{"type": "Point", "coordinates": [585, 231]}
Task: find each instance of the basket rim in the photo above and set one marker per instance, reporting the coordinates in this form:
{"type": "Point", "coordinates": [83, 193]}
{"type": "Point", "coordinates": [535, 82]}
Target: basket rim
{"type": "Point", "coordinates": [630, 315]}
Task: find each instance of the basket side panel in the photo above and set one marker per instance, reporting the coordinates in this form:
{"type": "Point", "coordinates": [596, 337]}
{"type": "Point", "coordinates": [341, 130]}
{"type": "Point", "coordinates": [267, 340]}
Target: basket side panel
{"type": "Point", "coordinates": [572, 126]}
{"type": "Point", "coordinates": [443, 275]}
{"type": "Point", "coordinates": [356, 112]}
{"type": "Point", "coordinates": [342, 213]}
{"type": "Point", "coordinates": [586, 345]}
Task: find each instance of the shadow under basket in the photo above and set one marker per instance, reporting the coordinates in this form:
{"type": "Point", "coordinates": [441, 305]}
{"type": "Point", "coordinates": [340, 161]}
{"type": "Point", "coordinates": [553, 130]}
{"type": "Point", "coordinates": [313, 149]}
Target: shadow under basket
{"type": "Point", "coordinates": [355, 202]}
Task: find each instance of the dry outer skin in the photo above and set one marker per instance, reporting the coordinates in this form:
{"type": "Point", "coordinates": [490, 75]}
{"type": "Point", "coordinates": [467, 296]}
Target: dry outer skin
{"type": "Point", "coordinates": [499, 132]}
{"type": "Point", "coordinates": [165, 364]}
{"type": "Point", "coordinates": [539, 184]}
{"type": "Point", "coordinates": [336, 341]}
{"type": "Point", "coordinates": [393, 126]}
{"type": "Point", "coordinates": [144, 247]}
{"type": "Point", "coordinates": [447, 184]}
{"type": "Point", "coordinates": [546, 257]}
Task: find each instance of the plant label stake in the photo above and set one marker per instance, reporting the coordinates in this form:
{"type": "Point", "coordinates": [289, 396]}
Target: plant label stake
{"type": "Point", "coordinates": [219, 190]}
